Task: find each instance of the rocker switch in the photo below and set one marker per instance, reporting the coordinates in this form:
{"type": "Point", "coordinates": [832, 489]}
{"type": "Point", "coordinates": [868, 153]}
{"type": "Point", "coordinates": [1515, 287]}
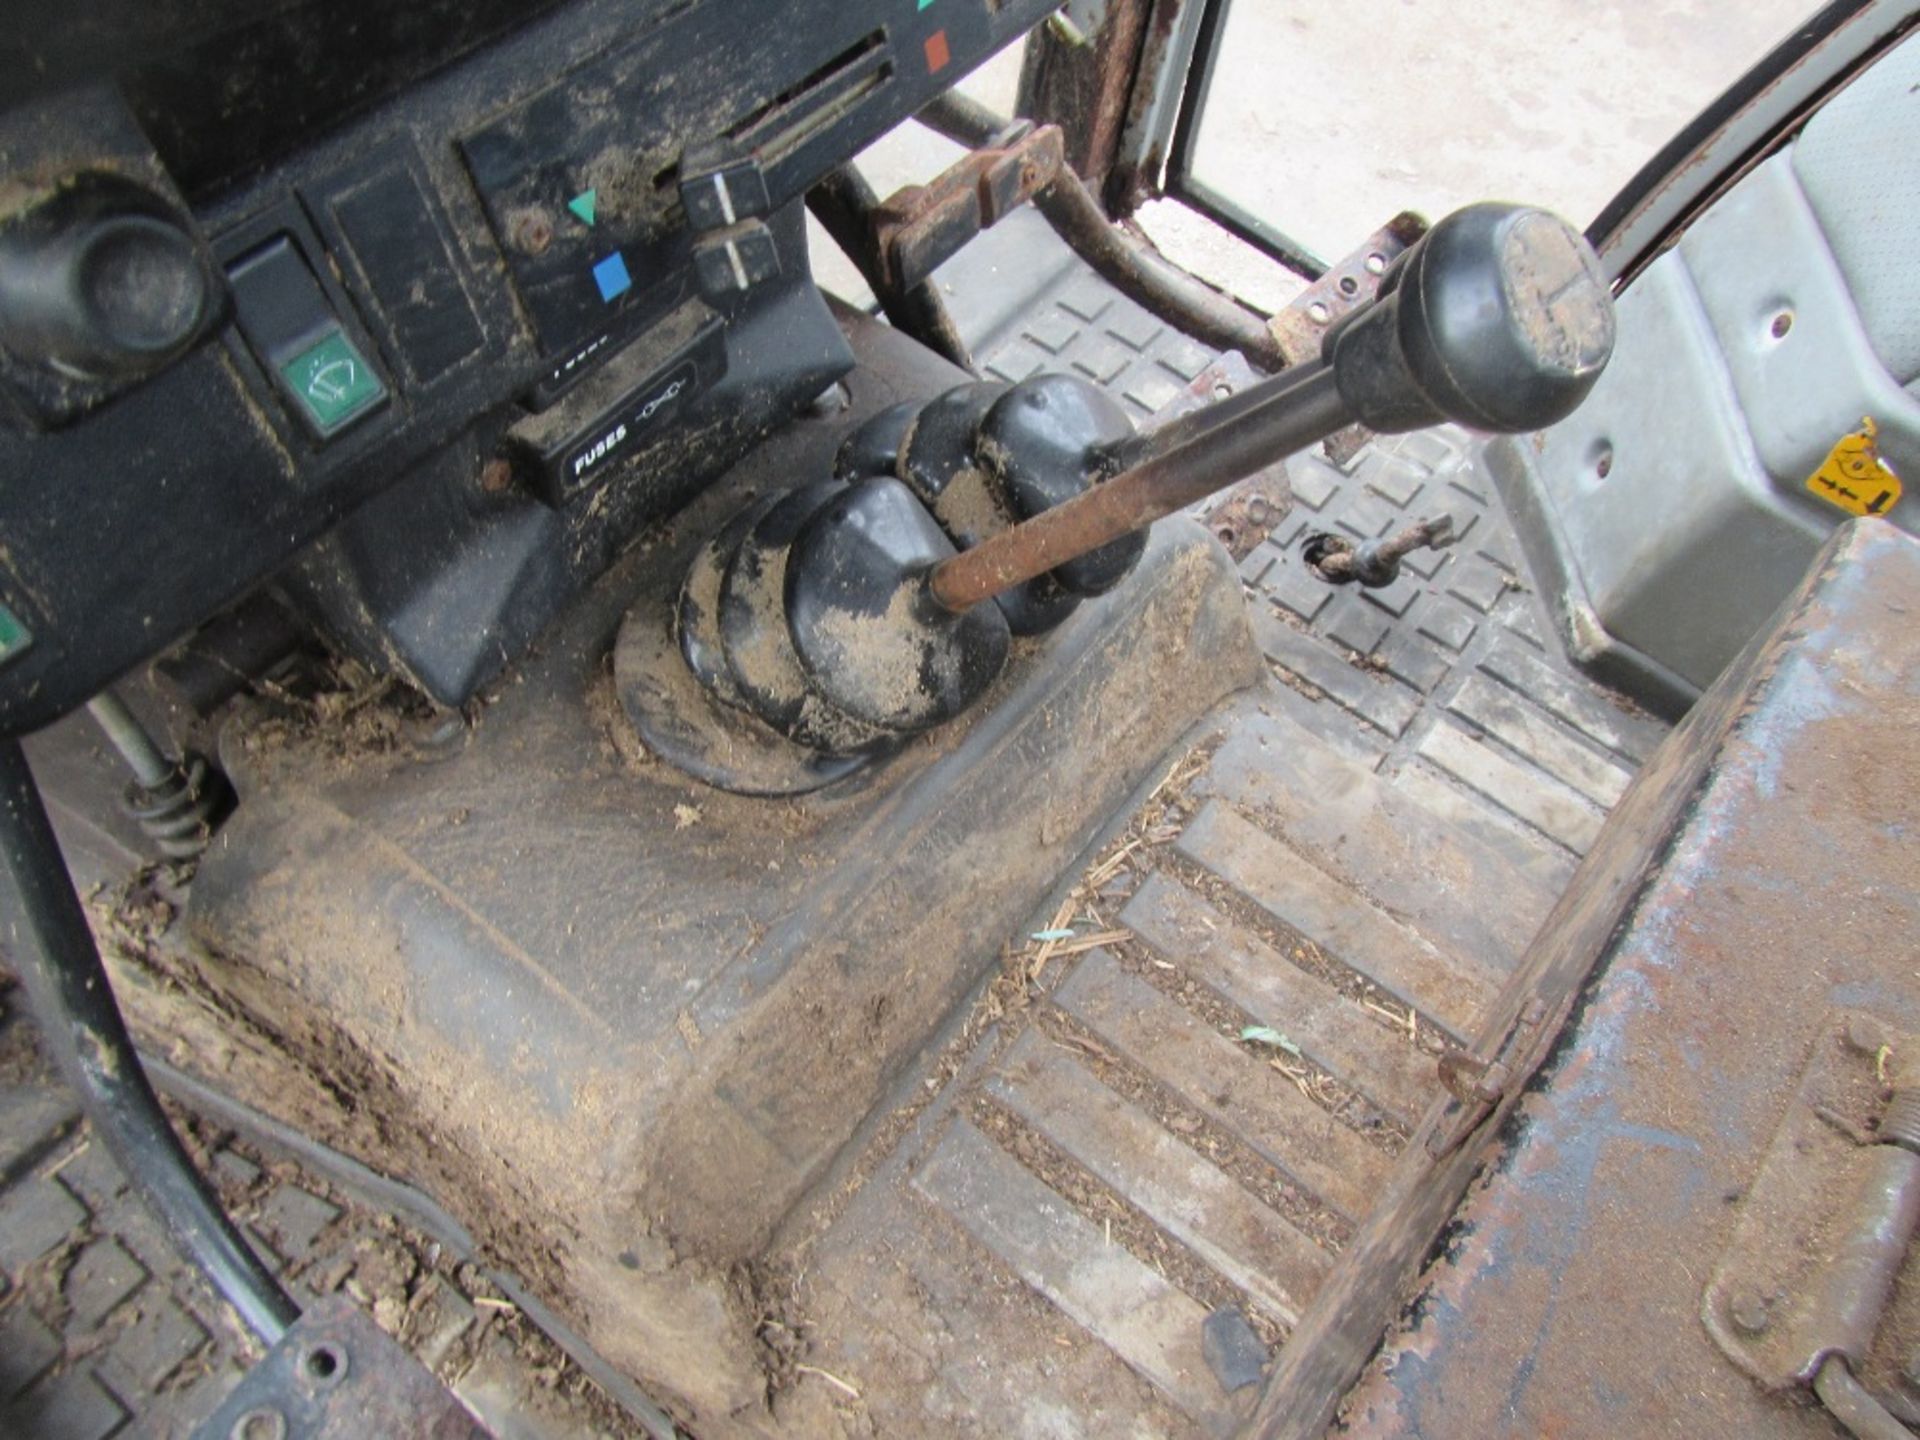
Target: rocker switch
{"type": "Point", "coordinates": [717, 193]}
{"type": "Point", "coordinates": [284, 314]}
{"type": "Point", "coordinates": [734, 260]}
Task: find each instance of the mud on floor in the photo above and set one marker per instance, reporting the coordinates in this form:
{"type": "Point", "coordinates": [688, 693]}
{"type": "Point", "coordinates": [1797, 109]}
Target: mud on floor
{"type": "Point", "coordinates": [105, 1331]}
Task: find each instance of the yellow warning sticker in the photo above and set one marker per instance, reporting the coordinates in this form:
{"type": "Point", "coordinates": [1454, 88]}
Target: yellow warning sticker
{"type": "Point", "coordinates": [1854, 477]}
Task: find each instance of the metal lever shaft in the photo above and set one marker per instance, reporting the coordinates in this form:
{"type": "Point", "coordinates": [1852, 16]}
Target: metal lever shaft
{"type": "Point", "coordinates": [1297, 409]}
{"type": "Point", "coordinates": [1499, 319]}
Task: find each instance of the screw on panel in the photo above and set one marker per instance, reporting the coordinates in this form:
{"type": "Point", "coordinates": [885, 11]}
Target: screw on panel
{"type": "Point", "coordinates": [1748, 1311]}
{"type": "Point", "coordinates": [532, 231]}
{"type": "Point", "coordinates": [265, 1423]}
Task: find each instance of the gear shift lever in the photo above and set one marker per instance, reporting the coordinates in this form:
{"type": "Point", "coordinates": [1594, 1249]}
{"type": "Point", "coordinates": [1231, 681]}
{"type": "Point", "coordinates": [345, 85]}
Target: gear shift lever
{"type": "Point", "coordinates": [849, 613]}
{"type": "Point", "coordinates": [1498, 319]}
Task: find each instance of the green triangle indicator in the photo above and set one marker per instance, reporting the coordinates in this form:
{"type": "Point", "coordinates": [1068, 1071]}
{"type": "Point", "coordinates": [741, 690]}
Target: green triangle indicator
{"type": "Point", "coordinates": [582, 206]}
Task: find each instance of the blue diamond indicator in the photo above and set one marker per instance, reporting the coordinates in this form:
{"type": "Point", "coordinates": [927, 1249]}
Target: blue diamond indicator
{"type": "Point", "coordinates": [612, 277]}
{"type": "Point", "coordinates": [582, 205]}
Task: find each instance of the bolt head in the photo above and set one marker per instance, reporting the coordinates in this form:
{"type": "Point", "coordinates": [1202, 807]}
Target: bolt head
{"type": "Point", "coordinates": [532, 231]}
{"type": "Point", "coordinates": [1748, 1311]}
{"type": "Point", "coordinates": [1867, 1035]}
{"type": "Point", "coordinates": [496, 476]}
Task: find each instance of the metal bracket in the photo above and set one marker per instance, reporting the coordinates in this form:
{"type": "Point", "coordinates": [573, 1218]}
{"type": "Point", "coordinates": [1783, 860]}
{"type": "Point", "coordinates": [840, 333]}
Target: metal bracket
{"type": "Point", "coordinates": [1302, 328]}
{"type": "Point", "coordinates": [1160, 83]}
{"type": "Point", "coordinates": [1824, 1228]}
{"type": "Point", "coordinates": [1244, 514]}
{"type": "Point", "coordinates": [1480, 1081]}
{"type": "Point", "coordinates": [336, 1376]}
{"type": "Point", "coordinates": [1303, 325]}
{"type": "Point", "coordinates": [919, 228]}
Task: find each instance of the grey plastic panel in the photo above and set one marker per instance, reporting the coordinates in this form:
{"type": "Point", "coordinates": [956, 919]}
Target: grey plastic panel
{"type": "Point", "coordinates": [1859, 162]}
{"type": "Point", "coordinates": [1759, 254]}
{"type": "Point", "coordinates": [1652, 544]}
{"type": "Point", "coordinates": [1671, 513]}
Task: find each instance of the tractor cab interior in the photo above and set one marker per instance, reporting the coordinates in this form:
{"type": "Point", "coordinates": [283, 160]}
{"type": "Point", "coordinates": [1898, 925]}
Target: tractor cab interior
{"type": "Point", "coordinates": [996, 861]}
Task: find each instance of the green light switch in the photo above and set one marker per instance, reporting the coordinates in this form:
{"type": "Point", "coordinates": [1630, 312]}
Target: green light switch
{"type": "Point", "coordinates": [333, 381]}
{"type": "Point", "coordinates": [14, 635]}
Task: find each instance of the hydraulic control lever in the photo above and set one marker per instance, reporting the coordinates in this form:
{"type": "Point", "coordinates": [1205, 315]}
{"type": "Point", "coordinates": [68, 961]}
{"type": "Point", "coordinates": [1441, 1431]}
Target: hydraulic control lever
{"type": "Point", "coordinates": [851, 612]}
{"type": "Point", "coordinates": [1498, 319]}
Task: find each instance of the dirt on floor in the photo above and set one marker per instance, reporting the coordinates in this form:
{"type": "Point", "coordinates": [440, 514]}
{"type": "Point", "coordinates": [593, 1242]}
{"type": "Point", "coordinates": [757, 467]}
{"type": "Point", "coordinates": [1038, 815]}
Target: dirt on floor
{"type": "Point", "coordinates": [439, 1305]}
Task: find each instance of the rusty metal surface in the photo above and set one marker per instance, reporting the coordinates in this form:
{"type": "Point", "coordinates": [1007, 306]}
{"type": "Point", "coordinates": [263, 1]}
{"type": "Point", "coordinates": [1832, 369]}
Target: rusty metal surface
{"type": "Point", "coordinates": [1245, 513]}
{"type": "Point", "coordinates": [1081, 82]}
{"type": "Point", "coordinates": [1854, 1406]}
{"type": "Point", "coordinates": [1123, 260]}
{"type": "Point", "coordinates": [845, 206]}
{"type": "Point", "coordinates": [1779, 880]}
{"type": "Point", "coordinates": [1295, 412]}
{"type": "Point", "coordinates": [1160, 81]}
{"type": "Point", "coordinates": [1858, 1276]}
{"type": "Point", "coordinates": [963, 119]}
{"type": "Point", "coordinates": [336, 1376]}
{"type": "Point", "coordinates": [1133, 268]}
{"type": "Point", "coordinates": [1824, 1227]}
{"type": "Point", "coordinates": [919, 228]}
{"type": "Point", "coordinates": [1299, 329]}
{"type": "Point", "coordinates": [1376, 562]}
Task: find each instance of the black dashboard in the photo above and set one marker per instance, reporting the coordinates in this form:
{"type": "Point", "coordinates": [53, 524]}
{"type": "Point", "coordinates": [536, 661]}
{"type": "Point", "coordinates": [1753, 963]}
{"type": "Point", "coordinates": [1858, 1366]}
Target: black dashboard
{"type": "Point", "coordinates": [423, 310]}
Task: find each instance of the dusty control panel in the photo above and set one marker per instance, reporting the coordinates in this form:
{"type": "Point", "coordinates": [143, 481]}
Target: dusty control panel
{"type": "Point", "coordinates": [430, 241]}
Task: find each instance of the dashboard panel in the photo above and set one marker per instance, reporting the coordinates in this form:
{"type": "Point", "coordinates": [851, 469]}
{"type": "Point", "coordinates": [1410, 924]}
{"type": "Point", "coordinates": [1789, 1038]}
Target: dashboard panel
{"type": "Point", "coordinates": [541, 269]}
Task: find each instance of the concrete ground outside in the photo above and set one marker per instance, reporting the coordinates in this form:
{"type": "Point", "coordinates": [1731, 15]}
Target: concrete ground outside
{"type": "Point", "coordinates": [1326, 119]}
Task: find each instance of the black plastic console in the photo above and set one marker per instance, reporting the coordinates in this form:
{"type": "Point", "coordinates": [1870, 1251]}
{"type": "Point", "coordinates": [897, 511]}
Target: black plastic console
{"type": "Point", "coordinates": [495, 285]}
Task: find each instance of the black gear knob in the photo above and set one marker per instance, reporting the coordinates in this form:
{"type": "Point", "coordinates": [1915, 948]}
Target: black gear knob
{"type": "Point", "coordinates": [1500, 319]}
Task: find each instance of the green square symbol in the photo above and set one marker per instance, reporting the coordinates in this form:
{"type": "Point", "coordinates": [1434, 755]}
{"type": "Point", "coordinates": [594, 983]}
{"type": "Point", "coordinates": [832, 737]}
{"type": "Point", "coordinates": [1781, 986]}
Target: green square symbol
{"type": "Point", "coordinates": [333, 380]}
{"type": "Point", "coordinates": [14, 635]}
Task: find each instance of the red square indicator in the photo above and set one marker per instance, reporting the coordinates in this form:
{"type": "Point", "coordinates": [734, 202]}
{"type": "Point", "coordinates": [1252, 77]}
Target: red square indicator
{"type": "Point", "coordinates": [937, 52]}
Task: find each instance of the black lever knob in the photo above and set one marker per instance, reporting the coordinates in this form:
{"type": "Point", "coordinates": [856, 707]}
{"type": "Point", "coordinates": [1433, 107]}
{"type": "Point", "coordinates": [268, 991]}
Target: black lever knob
{"type": "Point", "coordinates": [102, 281]}
{"type": "Point", "coordinates": [1500, 319]}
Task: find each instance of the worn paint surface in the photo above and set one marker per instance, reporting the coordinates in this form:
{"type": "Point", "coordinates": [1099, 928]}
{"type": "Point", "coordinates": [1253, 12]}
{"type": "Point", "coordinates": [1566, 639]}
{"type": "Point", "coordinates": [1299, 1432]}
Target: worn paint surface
{"type": "Point", "coordinates": [1567, 1295]}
